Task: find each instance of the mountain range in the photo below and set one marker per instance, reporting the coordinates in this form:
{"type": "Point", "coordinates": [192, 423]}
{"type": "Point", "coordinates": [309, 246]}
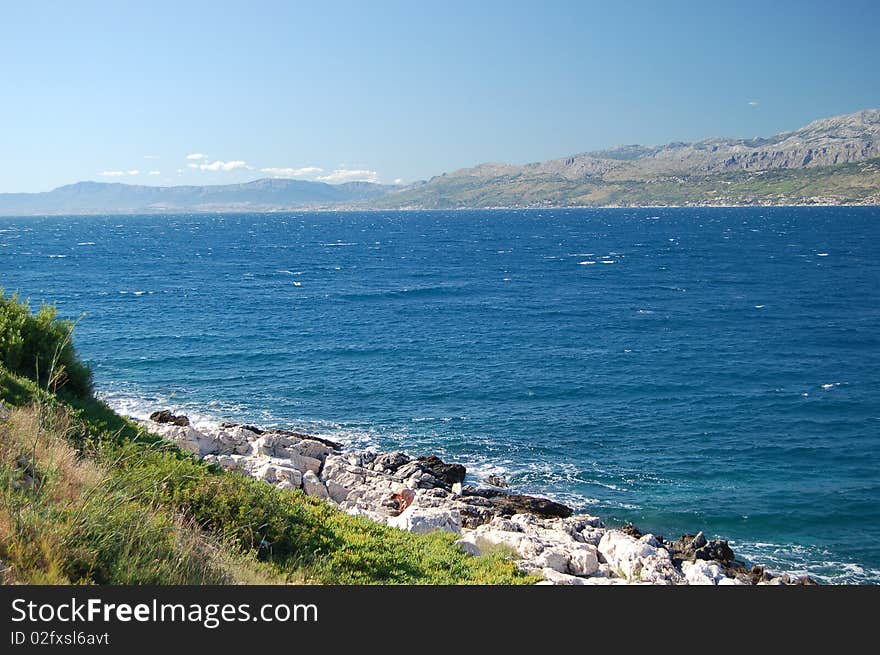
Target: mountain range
{"type": "Point", "coordinates": [830, 161]}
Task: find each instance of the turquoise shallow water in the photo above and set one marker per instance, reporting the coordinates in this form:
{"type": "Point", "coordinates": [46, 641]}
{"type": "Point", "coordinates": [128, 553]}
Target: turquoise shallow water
{"type": "Point", "coordinates": [686, 369]}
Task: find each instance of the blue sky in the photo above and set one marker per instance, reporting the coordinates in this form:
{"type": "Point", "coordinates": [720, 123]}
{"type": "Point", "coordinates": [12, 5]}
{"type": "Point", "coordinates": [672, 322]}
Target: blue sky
{"type": "Point", "coordinates": [404, 90]}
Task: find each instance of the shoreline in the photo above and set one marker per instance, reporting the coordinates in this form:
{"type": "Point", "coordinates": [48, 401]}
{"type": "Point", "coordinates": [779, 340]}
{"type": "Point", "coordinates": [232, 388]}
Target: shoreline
{"type": "Point", "coordinates": [423, 493]}
{"type": "Point", "coordinates": [324, 209]}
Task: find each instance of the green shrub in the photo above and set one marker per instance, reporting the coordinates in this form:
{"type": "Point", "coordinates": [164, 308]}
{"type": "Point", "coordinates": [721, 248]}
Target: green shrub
{"type": "Point", "coordinates": [40, 347]}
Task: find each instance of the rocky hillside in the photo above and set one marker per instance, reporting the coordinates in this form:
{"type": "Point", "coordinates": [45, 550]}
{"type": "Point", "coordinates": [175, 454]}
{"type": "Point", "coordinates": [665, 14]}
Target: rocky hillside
{"type": "Point", "coordinates": [830, 161]}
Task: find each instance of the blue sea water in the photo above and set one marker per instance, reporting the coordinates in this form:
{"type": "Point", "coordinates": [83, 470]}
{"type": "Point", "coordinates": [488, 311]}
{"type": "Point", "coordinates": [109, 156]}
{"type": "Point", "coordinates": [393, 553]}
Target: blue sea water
{"type": "Point", "coordinates": [684, 369]}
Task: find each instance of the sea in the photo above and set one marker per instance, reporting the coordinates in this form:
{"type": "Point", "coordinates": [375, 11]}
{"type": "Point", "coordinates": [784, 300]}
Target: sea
{"type": "Point", "coordinates": [712, 369]}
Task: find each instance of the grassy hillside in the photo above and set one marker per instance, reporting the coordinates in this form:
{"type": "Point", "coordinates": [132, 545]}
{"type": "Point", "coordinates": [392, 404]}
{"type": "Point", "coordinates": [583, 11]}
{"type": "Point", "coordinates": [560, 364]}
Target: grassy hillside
{"type": "Point", "coordinates": [87, 496]}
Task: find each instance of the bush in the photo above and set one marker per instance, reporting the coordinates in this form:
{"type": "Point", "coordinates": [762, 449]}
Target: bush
{"type": "Point", "coordinates": [40, 347]}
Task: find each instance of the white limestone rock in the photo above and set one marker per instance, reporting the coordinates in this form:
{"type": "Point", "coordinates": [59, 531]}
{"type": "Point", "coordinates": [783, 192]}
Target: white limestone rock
{"type": "Point", "coordinates": [701, 572]}
{"type": "Point", "coordinates": [313, 486]}
{"type": "Point", "coordinates": [583, 560]}
{"type": "Point", "coordinates": [313, 449]}
{"type": "Point", "coordinates": [553, 576]}
{"type": "Point", "coordinates": [638, 561]}
{"type": "Point", "coordinates": [290, 475]}
{"type": "Point", "coordinates": [553, 558]}
{"type": "Point", "coordinates": [186, 437]}
{"type": "Point", "coordinates": [422, 520]}
{"type": "Point", "coordinates": [468, 544]}
{"type": "Point", "coordinates": [235, 440]}
{"type": "Point", "coordinates": [336, 491]}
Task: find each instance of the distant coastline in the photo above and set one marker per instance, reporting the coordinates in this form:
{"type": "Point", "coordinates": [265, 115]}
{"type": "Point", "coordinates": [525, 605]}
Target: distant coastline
{"type": "Point", "coordinates": [830, 162]}
{"type": "Point", "coordinates": [352, 209]}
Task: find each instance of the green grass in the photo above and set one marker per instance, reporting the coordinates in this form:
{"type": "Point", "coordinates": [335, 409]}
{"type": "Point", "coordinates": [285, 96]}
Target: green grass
{"type": "Point", "coordinates": [87, 496]}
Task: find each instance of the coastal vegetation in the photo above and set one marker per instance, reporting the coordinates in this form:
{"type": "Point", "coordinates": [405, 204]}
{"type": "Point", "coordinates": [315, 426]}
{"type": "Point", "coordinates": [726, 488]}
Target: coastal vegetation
{"type": "Point", "coordinates": [88, 496]}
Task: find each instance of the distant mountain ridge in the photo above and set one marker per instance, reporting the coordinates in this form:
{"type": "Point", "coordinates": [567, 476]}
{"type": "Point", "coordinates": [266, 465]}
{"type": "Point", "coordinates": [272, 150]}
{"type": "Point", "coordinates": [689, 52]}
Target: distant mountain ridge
{"type": "Point", "coordinates": [260, 195]}
{"type": "Point", "coordinates": [830, 161]}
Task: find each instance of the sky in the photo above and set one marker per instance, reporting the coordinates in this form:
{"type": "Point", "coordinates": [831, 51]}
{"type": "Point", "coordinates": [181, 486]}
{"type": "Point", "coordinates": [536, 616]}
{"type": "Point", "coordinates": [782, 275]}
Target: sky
{"type": "Point", "coordinates": [169, 93]}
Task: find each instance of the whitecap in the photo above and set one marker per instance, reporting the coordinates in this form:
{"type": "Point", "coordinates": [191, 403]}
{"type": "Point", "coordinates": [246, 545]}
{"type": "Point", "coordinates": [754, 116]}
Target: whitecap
{"type": "Point", "coordinates": [86, 243]}
{"type": "Point", "coordinates": [821, 254]}
{"type": "Point", "coordinates": [760, 306]}
{"type": "Point", "coordinates": [297, 284]}
{"type": "Point", "coordinates": [57, 256]}
{"type": "Point", "coordinates": [586, 262]}
{"type": "Point", "coordinates": [609, 261]}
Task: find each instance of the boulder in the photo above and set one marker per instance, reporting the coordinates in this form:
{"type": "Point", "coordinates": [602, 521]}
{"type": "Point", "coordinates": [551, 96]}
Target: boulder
{"type": "Point", "coordinates": [166, 416]}
{"type": "Point", "coordinates": [636, 560]}
{"type": "Point", "coordinates": [4, 412]}
{"type": "Point", "coordinates": [187, 438]}
{"type": "Point", "coordinates": [448, 474]}
{"type": "Point", "coordinates": [249, 428]}
{"type": "Point", "coordinates": [508, 504]}
{"type": "Point", "coordinates": [496, 481]}
{"type": "Point", "coordinates": [287, 448]}
{"type": "Point", "coordinates": [266, 472]}
{"type": "Point", "coordinates": [290, 475]}
{"type": "Point", "coordinates": [313, 486]}
{"type": "Point", "coordinates": [235, 440]}
{"type": "Point", "coordinates": [553, 558]}
{"type": "Point", "coordinates": [693, 547]}
{"type": "Point", "coordinates": [468, 544]}
{"type": "Point", "coordinates": [553, 576]}
{"type": "Point", "coordinates": [701, 572]}
{"type": "Point", "coordinates": [422, 520]}
{"type": "Point", "coordinates": [583, 560]}
{"type": "Point", "coordinates": [336, 491]}
{"type": "Point", "coordinates": [390, 462]}
{"type": "Point", "coordinates": [313, 448]}
{"type": "Point", "coordinates": [300, 436]}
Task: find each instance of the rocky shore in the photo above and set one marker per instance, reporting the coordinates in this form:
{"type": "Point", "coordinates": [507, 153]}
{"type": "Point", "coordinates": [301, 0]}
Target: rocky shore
{"type": "Point", "coordinates": [422, 494]}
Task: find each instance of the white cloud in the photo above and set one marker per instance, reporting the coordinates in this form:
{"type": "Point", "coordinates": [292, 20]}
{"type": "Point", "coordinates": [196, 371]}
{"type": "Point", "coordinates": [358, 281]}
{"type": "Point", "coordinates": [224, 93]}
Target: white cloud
{"type": "Point", "coordinates": [350, 175]}
{"type": "Point", "coordinates": [192, 165]}
{"type": "Point", "coordinates": [292, 172]}
{"type": "Point", "coordinates": [119, 173]}
{"type": "Point", "coordinates": [753, 103]}
{"type": "Point", "coordinates": [398, 180]}
{"type": "Point", "coordinates": [223, 165]}
{"type": "Point", "coordinates": [154, 173]}
{"type": "Point", "coordinates": [196, 155]}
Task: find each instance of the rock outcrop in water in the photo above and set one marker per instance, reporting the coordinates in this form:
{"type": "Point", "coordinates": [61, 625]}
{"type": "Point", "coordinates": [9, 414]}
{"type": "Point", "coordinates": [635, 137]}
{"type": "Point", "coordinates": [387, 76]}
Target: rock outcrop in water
{"type": "Point", "coordinates": [426, 494]}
